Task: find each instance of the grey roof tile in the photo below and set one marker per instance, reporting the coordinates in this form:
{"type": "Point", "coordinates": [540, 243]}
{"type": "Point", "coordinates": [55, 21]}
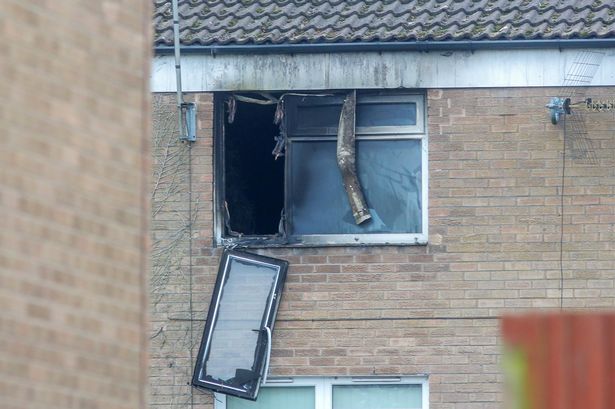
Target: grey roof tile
{"type": "Point", "coordinates": [219, 22]}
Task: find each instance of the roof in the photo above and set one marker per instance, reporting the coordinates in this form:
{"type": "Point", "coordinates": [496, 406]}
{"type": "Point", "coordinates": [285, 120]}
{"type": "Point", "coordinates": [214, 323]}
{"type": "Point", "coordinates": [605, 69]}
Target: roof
{"type": "Point", "coordinates": [228, 22]}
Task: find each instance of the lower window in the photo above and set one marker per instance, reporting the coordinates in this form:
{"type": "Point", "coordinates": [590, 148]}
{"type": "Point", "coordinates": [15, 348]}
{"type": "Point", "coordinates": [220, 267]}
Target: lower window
{"type": "Point", "coordinates": [406, 392]}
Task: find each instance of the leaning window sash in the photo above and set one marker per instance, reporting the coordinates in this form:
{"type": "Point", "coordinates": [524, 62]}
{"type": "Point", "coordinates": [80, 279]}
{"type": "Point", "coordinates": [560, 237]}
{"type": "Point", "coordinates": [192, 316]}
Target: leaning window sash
{"type": "Point", "coordinates": [234, 348]}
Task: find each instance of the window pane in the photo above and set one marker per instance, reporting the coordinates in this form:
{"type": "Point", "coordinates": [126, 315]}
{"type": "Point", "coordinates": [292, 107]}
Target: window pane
{"type": "Point", "coordinates": [294, 397]}
{"type": "Point", "coordinates": [386, 114]}
{"type": "Point", "coordinates": [317, 116]}
{"type": "Point", "coordinates": [245, 298]}
{"type": "Point", "coordinates": [377, 397]}
{"type": "Point", "coordinates": [389, 172]}
{"type": "Point", "coordinates": [313, 115]}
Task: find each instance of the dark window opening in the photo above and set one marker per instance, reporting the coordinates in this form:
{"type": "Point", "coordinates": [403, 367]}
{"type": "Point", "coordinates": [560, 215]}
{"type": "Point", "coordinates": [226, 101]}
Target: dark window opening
{"type": "Point", "coordinates": [254, 179]}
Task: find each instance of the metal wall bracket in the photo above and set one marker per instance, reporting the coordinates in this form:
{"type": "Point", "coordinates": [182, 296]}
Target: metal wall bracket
{"type": "Point", "coordinates": [557, 107]}
{"type": "Point", "coordinates": [188, 131]}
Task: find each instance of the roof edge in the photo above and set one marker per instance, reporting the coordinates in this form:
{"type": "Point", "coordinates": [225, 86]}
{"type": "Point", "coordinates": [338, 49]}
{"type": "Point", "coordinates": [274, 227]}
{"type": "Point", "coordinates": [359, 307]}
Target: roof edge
{"type": "Point", "coordinates": [465, 45]}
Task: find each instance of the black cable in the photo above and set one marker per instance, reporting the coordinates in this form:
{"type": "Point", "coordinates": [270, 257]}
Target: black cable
{"type": "Point", "coordinates": [483, 317]}
{"type": "Point", "coordinates": [561, 239]}
{"type": "Point", "coordinates": [190, 262]}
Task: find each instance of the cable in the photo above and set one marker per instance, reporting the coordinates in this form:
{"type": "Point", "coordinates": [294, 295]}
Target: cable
{"type": "Point", "coordinates": [561, 238]}
{"type": "Point", "coordinates": [190, 264]}
{"type": "Point", "coordinates": [475, 317]}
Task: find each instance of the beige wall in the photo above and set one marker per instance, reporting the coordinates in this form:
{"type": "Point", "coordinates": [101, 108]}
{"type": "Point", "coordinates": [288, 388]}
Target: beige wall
{"type": "Point", "coordinates": [495, 170]}
{"type": "Point", "coordinates": [74, 169]}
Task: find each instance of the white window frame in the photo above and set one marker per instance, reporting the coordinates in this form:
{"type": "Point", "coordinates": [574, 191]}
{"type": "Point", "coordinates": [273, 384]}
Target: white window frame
{"type": "Point", "coordinates": [323, 386]}
{"type": "Point", "coordinates": [382, 133]}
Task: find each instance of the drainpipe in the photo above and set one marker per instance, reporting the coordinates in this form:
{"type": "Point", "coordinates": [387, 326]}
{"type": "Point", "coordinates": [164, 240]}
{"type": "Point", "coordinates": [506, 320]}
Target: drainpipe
{"type": "Point", "coordinates": [178, 69]}
{"type": "Point", "coordinates": [346, 159]}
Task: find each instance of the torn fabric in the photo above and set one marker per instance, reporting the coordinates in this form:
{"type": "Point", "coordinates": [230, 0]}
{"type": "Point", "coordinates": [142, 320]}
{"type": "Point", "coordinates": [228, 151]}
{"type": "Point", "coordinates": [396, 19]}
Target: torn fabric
{"type": "Point", "coordinates": [346, 159]}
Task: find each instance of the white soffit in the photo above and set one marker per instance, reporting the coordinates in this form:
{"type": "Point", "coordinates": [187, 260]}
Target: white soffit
{"type": "Point", "coordinates": [409, 69]}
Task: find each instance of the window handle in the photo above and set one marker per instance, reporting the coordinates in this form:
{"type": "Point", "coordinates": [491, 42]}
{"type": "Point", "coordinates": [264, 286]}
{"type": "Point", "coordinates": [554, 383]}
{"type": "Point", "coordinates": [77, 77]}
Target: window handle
{"type": "Point", "coordinates": [268, 330]}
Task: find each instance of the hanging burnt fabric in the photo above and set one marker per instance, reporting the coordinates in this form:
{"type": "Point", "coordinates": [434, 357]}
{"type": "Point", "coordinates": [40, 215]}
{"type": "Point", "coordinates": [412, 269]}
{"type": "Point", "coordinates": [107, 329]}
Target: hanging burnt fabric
{"type": "Point", "coordinates": [234, 352]}
{"type": "Point", "coordinates": [347, 159]}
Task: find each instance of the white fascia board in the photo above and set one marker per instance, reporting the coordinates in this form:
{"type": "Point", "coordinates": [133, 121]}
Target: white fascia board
{"type": "Point", "coordinates": [365, 70]}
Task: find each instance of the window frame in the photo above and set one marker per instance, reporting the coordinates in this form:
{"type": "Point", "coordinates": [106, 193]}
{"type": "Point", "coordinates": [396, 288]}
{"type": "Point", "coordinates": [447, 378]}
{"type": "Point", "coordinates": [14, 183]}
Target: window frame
{"type": "Point", "coordinates": [416, 132]}
{"type": "Point", "coordinates": [323, 386]}
{"type": "Point", "coordinates": [362, 98]}
{"type": "Point", "coordinates": [267, 322]}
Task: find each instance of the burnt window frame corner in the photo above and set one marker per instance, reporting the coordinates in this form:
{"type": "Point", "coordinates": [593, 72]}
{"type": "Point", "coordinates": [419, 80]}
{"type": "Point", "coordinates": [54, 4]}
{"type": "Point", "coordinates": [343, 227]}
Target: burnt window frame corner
{"type": "Point", "coordinates": [419, 131]}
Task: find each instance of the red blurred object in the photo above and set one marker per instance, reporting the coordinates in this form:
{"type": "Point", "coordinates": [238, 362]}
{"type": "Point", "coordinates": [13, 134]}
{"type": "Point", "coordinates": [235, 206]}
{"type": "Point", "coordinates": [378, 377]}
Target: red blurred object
{"type": "Point", "coordinates": [569, 359]}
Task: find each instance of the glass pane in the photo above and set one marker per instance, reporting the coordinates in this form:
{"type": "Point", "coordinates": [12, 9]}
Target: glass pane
{"type": "Point", "coordinates": [244, 301]}
{"type": "Point", "coordinates": [294, 397]}
{"type": "Point", "coordinates": [377, 397]}
{"type": "Point", "coordinates": [316, 116]}
{"type": "Point", "coordinates": [386, 114]}
{"type": "Point", "coordinates": [389, 172]}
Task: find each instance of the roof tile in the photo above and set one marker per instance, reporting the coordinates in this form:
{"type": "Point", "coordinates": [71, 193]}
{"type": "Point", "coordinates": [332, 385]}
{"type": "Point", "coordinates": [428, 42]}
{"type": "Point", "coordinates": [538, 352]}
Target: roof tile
{"type": "Point", "coordinates": [219, 22]}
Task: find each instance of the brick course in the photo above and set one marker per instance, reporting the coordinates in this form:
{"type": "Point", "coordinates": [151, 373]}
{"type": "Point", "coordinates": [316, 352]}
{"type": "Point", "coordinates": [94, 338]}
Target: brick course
{"type": "Point", "coordinates": [495, 174]}
{"type": "Point", "coordinates": [73, 204]}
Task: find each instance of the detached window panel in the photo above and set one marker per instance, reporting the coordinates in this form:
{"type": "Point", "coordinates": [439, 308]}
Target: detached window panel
{"type": "Point", "coordinates": [235, 342]}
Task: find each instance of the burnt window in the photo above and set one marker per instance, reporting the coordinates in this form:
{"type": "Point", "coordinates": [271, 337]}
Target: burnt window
{"type": "Point", "coordinates": [301, 198]}
{"type": "Point", "coordinates": [254, 179]}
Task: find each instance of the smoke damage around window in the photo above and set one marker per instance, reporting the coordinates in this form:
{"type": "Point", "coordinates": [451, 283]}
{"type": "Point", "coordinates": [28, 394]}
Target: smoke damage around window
{"type": "Point", "coordinates": [279, 179]}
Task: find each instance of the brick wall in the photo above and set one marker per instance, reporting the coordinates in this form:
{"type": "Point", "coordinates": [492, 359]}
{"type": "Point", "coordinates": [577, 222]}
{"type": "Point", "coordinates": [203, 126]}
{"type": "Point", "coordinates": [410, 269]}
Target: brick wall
{"type": "Point", "coordinates": [495, 169]}
{"type": "Point", "coordinates": [73, 203]}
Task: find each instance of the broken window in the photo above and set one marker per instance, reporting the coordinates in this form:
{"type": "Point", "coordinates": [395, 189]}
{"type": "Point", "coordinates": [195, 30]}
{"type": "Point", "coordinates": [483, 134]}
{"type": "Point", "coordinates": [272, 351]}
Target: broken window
{"type": "Point", "coordinates": [304, 197]}
{"type": "Point", "coordinates": [254, 180]}
{"type": "Point", "coordinates": [236, 343]}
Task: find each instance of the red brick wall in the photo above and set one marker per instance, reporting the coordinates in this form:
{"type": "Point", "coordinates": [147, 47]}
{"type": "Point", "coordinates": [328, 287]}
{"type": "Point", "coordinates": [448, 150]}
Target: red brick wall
{"type": "Point", "coordinates": [495, 167]}
{"type": "Point", "coordinates": [74, 169]}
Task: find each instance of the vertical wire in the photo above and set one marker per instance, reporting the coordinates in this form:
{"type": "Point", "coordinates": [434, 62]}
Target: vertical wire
{"type": "Point", "coordinates": [561, 240]}
{"type": "Point", "coordinates": [190, 266]}
{"type": "Point", "coordinates": [178, 70]}
{"type": "Point", "coordinates": [581, 73]}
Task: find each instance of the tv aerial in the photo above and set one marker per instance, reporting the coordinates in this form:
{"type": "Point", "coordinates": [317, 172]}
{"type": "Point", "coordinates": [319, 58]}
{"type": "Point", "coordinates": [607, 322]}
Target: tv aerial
{"type": "Point", "coordinates": [571, 100]}
{"type": "Point", "coordinates": [568, 108]}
